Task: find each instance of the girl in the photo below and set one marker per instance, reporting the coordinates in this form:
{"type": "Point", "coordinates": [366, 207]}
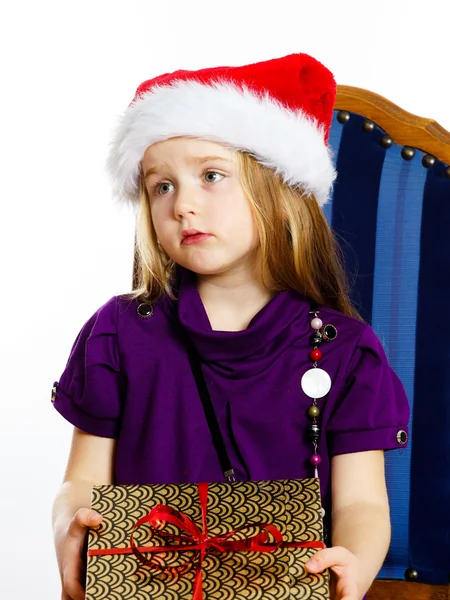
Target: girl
{"type": "Point", "coordinates": [229, 168]}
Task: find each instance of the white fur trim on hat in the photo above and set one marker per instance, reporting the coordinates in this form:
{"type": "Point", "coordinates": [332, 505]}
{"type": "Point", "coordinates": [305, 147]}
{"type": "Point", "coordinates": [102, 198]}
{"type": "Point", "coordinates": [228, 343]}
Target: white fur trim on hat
{"type": "Point", "coordinates": [290, 142]}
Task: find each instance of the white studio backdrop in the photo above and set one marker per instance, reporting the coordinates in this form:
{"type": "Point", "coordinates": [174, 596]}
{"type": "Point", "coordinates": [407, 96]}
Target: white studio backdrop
{"type": "Point", "coordinates": [68, 69]}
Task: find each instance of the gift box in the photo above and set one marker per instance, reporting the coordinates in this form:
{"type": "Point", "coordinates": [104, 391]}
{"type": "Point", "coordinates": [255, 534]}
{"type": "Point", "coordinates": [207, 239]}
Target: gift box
{"type": "Point", "coordinates": [227, 541]}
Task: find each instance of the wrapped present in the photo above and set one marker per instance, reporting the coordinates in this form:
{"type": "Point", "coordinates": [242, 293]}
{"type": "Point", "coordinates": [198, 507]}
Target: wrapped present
{"type": "Point", "coordinates": [246, 540]}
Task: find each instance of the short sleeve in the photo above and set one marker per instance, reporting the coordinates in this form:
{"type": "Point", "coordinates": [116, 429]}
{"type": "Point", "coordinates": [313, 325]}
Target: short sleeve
{"type": "Point", "coordinates": [372, 410]}
{"type": "Point", "coordinates": [90, 390]}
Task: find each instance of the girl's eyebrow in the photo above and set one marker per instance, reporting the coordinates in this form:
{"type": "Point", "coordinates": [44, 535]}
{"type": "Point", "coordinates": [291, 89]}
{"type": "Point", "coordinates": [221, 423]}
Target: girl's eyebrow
{"type": "Point", "coordinates": [196, 159]}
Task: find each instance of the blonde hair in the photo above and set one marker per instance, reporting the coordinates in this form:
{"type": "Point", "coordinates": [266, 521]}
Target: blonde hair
{"type": "Point", "coordinates": [298, 250]}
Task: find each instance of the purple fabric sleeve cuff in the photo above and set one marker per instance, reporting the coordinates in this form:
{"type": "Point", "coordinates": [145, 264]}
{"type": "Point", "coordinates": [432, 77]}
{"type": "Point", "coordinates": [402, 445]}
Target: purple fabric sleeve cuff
{"type": "Point", "coordinates": [82, 420]}
{"type": "Point", "coordinates": [387, 438]}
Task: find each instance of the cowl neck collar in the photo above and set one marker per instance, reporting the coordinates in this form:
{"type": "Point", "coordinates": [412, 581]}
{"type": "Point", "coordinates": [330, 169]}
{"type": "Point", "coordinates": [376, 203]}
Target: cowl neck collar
{"type": "Point", "coordinates": [267, 335]}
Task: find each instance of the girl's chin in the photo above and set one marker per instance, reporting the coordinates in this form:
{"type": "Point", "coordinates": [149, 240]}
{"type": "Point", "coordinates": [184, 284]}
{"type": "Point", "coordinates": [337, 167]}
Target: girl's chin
{"type": "Point", "coordinates": [207, 269]}
{"type": "Point", "coordinates": [204, 264]}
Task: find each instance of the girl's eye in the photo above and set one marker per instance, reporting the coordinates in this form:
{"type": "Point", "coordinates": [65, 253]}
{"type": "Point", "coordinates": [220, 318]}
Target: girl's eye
{"type": "Point", "coordinates": [210, 179]}
{"type": "Point", "coordinates": [162, 188]}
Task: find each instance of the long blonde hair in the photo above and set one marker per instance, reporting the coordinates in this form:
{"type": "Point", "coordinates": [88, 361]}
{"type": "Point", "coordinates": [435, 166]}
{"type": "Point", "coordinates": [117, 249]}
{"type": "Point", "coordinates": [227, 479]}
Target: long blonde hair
{"type": "Point", "coordinates": [297, 247]}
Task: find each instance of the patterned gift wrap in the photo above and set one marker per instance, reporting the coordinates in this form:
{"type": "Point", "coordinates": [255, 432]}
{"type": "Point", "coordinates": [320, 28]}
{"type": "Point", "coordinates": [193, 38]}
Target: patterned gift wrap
{"type": "Point", "coordinates": [247, 540]}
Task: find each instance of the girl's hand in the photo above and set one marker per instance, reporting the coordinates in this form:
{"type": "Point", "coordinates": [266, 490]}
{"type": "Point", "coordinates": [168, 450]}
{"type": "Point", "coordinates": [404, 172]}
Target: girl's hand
{"type": "Point", "coordinates": [345, 567]}
{"type": "Point", "coordinates": [69, 551]}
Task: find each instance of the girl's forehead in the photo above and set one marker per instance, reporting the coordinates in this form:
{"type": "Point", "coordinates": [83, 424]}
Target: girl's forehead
{"type": "Point", "coordinates": [187, 147]}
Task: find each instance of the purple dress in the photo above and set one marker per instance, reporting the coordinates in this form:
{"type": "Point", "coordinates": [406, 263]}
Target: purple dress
{"type": "Point", "coordinates": [129, 377]}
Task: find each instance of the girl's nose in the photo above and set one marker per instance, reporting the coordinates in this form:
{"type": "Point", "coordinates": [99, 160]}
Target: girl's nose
{"type": "Point", "coordinates": [185, 202]}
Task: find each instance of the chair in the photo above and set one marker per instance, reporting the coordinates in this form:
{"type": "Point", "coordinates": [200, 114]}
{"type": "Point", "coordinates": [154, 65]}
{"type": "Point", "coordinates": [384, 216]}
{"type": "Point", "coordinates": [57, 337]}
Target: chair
{"type": "Point", "coordinates": [391, 212]}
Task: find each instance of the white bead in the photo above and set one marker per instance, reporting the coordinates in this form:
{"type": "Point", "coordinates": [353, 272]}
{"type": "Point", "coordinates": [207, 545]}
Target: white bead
{"type": "Point", "coordinates": [323, 512]}
{"type": "Point", "coordinates": [316, 323]}
{"type": "Point", "coordinates": [316, 383]}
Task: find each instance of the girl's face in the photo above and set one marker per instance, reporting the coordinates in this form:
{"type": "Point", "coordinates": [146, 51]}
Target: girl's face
{"type": "Point", "coordinates": [199, 212]}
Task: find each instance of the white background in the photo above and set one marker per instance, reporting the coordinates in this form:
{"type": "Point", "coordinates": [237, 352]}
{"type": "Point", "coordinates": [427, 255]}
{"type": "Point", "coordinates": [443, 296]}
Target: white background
{"type": "Point", "coordinates": [68, 69]}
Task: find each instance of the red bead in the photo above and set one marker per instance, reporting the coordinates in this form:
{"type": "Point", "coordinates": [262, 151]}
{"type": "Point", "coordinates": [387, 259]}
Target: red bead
{"type": "Point", "coordinates": [315, 354]}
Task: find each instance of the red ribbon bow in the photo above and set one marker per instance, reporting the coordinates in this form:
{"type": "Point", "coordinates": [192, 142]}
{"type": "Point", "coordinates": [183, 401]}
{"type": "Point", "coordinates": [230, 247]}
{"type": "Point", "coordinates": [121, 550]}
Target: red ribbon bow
{"type": "Point", "coordinates": [197, 539]}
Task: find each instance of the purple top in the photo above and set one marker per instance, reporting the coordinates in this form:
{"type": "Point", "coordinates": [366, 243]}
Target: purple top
{"type": "Point", "coordinates": [129, 377]}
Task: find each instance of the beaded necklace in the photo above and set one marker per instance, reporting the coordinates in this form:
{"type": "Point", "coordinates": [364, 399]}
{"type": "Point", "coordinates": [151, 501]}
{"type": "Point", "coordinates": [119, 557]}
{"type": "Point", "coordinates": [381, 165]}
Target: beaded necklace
{"type": "Point", "coordinates": [316, 383]}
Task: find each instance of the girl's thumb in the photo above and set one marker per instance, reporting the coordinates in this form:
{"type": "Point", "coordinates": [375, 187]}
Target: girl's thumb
{"type": "Point", "coordinates": [86, 517]}
{"type": "Point", "coordinates": [94, 516]}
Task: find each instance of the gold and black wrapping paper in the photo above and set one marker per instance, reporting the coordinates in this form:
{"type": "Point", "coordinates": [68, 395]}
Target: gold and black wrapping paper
{"type": "Point", "coordinates": [293, 506]}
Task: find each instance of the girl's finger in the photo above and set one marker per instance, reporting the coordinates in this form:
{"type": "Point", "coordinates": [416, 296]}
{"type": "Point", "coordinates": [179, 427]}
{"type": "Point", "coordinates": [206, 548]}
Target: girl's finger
{"type": "Point", "coordinates": [72, 584]}
{"type": "Point", "coordinates": [73, 590]}
{"type": "Point", "coordinates": [346, 589]}
{"type": "Point", "coordinates": [337, 556]}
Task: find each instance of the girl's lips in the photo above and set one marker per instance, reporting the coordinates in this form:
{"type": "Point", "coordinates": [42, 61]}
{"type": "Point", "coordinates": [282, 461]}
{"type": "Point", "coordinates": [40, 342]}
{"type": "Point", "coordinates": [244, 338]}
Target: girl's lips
{"type": "Point", "coordinates": [194, 239]}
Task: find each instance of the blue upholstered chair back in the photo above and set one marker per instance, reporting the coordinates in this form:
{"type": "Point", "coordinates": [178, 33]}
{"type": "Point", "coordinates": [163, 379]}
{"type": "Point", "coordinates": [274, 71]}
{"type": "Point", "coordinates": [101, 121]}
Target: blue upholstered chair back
{"type": "Point", "coordinates": [392, 216]}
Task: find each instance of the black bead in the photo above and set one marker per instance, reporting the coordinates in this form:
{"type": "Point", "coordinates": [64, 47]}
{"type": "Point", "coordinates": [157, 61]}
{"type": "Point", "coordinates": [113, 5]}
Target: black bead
{"type": "Point", "coordinates": [408, 152]}
{"type": "Point", "coordinates": [314, 432]}
{"type": "Point", "coordinates": [411, 574]}
{"type": "Point", "coordinates": [368, 125]}
{"type": "Point", "coordinates": [447, 173]}
{"type": "Point", "coordinates": [145, 310]}
{"type": "Point", "coordinates": [316, 339]}
{"type": "Point", "coordinates": [343, 116]}
{"type": "Point", "coordinates": [329, 333]}
{"type": "Point", "coordinates": [428, 161]}
{"type": "Point", "coordinates": [386, 141]}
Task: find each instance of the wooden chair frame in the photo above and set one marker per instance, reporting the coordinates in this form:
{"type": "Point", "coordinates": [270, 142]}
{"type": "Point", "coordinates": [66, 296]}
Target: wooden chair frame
{"type": "Point", "coordinates": [403, 127]}
{"type": "Point", "coordinates": [428, 136]}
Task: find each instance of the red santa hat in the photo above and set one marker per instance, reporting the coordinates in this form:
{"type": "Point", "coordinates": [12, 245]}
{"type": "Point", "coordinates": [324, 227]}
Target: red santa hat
{"type": "Point", "coordinates": [279, 111]}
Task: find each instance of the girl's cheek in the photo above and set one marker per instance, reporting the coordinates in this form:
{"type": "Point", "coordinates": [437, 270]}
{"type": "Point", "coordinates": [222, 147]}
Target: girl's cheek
{"type": "Point", "coordinates": [158, 210]}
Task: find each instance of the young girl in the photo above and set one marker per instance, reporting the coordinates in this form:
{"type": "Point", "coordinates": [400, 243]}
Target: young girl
{"type": "Point", "coordinates": [229, 168]}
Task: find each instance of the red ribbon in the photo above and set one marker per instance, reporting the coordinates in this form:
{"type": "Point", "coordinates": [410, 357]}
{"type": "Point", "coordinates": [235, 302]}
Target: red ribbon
{"type": "Point", "coordinates": [198, 539]}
